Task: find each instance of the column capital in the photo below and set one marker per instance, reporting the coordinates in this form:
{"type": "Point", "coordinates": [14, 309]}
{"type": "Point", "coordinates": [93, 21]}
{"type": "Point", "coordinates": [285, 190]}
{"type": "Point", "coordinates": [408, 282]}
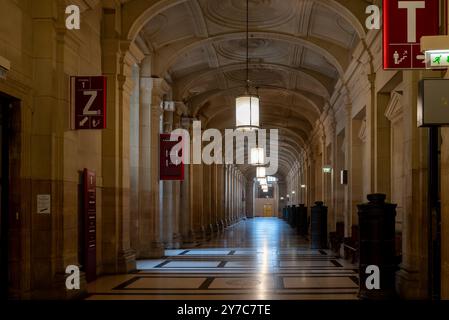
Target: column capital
{"type": "Point", "coordinates": [181, 108]}
{"type": "Point", "coordinates": [156, 110]}
{"type": "Point", "coordinates": [160, 87]}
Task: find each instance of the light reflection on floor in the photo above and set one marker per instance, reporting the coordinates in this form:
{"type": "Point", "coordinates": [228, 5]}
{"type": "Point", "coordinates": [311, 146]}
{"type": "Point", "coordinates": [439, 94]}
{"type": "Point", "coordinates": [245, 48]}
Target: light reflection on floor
{"type": "Point", "coordinates": [259, 259]}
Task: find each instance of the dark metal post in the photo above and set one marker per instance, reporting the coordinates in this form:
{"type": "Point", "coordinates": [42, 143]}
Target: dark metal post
{"type": "Point", "coordinates": [319, 226]}
{"type": "Point", "coordinates": [377, 246]}
{"type": "Point", "coordinates": [434, 216]}
{"type": "Point", "coordinates": [302, 220]}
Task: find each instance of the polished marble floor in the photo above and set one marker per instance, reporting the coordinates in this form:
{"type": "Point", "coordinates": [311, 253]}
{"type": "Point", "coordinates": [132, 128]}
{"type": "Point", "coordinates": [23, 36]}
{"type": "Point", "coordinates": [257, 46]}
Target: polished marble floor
{"type": "Point", "coordinates": [260, 258]}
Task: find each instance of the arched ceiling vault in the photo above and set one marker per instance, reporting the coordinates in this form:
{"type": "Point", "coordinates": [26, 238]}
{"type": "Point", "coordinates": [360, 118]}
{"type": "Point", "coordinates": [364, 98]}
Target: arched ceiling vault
{"type": "Point", "coordinates": [299, 49]}
{"type": "Point", "coordinates": [301, 101]}
{"type": "Point", "coordinates": [323, 83]}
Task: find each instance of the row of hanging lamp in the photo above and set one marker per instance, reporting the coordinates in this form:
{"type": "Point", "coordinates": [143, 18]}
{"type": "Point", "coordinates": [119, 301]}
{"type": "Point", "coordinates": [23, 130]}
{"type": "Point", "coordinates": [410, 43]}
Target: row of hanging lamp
{"type": "Point", "coordinates": [261, 173]}
{"type": "Point", "coordinates": [265, 188]}
{"type": "Point", "coordinates": [257, 156]}
{"type": "Point", "coordinates": [247, 115]}
{"type": "Point", "coordinates": [247, 105]}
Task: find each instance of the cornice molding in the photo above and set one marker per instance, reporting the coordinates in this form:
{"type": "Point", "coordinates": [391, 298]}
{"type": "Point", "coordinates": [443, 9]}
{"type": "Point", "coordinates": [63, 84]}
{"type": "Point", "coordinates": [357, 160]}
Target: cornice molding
{"type": "Point", "coordinates": [394, 108]}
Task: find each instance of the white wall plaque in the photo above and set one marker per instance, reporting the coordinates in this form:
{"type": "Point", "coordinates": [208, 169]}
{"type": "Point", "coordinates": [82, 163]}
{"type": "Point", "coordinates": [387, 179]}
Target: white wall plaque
{"type": "Point", "coordinates": [43, 204]}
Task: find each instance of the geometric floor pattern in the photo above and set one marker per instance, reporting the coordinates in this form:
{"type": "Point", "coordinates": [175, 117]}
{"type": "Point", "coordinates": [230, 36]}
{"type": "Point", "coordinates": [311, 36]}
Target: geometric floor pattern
{"type": "Point", "coordinates": [257, 259]}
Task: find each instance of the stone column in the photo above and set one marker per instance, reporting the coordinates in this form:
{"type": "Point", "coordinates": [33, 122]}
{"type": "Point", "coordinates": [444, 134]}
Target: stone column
{"type": "Point", "coordinates": [215, 198]}
{"type": "Point", "coordinates": [334, 179]}
{"type": "Point", "coordinates": [117, 254]}
{"type": "Point", "coordinates": [170, 194]}
{"type": "Point", "coordinates": [249, 195]}
{"type": "Point", "coordinates": [238, 195]}
{"type": "Point", "coordinates": [232, 195]}
{"type": "Point", "coordinates": [155, 247]}
{"type": "Point", "coordinates": [177, 237]}
{"type": "Point", "coordinates": [348, 210]}
{"type": "Point", "coordinates": [186, 212]}
{"type": "Point", "coordinates": [207, 199]}
{"type": "Point", "coordinates": [230, 212]}
{"type": "Point", "coordinates": [412, 277]}
{"type": "Point", "coordinates": [312, 181]}
{"type": "Point", "coordinates": [144, 202]}
{"type": "Point", "coordinates": [197, 200]}
{"type": "Point", "coordinates": [228, 195]}
{"type": "Point", "coordinates": [220, 197]}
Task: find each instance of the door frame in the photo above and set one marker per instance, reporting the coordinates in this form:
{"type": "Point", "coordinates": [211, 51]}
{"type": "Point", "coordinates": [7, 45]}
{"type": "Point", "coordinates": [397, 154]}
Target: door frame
{"type": "Point", "coordinates": [4, 217]}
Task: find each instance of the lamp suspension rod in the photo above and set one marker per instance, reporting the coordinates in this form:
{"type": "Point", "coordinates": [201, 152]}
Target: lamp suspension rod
{"type": "Point", "coordinates": [247, 45]}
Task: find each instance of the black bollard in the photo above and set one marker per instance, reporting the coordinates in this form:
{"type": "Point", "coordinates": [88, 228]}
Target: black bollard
{"type": "Point", "coordinates": [303, 226]}
{"type": "Point", "coordinates": [293, 216]}
{"type": "Point", "coordinates": [319, 226]}
{"type": "Point", "coordinates": [289, 214]}
{"type": "Point", "coordinates": [377, 247]}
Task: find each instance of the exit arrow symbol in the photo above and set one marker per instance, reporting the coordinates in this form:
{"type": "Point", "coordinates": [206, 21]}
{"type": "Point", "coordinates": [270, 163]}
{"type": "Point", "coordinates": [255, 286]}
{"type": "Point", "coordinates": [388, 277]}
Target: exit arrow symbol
{"type": "Point", "coordinates": [83, 122]}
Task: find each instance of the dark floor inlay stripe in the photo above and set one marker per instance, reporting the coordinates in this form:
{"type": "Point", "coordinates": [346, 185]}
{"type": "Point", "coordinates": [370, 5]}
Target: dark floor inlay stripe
{"type": "Point", "coordinates": [205, 285]}
{"type": "Point", "coordinates": [336, 263]}
{"type": "Point", "coordinates": [279, 282]}
{"type": "Point", "coordinates": [124, 285]}
{"type": "Point", "coordinates": [184, 252]}
{"type": "Point", "coordinates": [222, 264]}
{"type": "Point", "coordinates": [354, 279]}
{"type": "Point", "coordinates": [322, 252]}
{"type": "Point", "coordinates": [160, 265]}
{"type": "Point", "coordinates": [232, 253]}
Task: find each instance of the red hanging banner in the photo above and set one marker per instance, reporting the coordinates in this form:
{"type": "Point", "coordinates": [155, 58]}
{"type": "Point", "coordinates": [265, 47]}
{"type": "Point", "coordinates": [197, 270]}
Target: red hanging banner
{"type": "Point", "coordinates": [90, 225]}
{"type": "Point", "coordinates": [88, 101]}
{"type": "Point", "coordinates": [168, 169]}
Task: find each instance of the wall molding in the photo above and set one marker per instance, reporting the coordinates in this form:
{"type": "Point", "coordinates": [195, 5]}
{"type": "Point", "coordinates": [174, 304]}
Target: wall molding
{"type": "Point", "coordinates": [394, 108]}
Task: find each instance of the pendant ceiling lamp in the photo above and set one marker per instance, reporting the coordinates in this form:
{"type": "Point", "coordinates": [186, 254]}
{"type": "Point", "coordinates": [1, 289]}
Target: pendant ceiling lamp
{"type": "Point", "coordinates": [261, 172]}
{"type": "Point", "coordinates": [247, 105]}
{"type": "Point", "coordinates": [257, 156]}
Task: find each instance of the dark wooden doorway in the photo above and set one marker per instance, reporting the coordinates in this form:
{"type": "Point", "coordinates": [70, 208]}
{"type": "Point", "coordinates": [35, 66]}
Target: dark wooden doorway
{"type": "Point", "coordinates": [5, 106]}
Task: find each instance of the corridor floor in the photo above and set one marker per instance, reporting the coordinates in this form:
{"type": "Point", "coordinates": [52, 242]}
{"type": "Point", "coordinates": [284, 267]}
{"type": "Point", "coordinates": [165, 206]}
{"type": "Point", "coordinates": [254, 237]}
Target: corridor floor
{"type": "Point", "coordinates": [255, 259]}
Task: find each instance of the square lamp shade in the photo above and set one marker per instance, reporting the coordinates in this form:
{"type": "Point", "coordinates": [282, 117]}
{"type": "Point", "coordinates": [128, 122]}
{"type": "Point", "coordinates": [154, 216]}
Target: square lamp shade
{"type": "Point", "coordinates": [247, 113]}
{"type": "Point", "coordinates": [261, 172]}
{"type": "Point", "coordinates": [257, 156]}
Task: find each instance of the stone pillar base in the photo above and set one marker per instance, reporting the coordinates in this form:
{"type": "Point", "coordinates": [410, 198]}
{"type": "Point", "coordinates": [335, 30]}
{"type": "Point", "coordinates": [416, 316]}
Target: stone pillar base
{"type": "Point", "coordinates": [200, 235]}
{"type": "Point", "coordinates": [409, 284]}
{"type": "Point", "coordinates": [175, 242]}
{"type": "Point", "coordinates": [59, 291]}
{"type": "Point", "coordinates": [155, 250]}
{"type": "Point", "coordinates": [126, 261]}
{"type": "Point", "coordinates": [205, 233]}
{"type": "Point", "coordinates": [189, 238]}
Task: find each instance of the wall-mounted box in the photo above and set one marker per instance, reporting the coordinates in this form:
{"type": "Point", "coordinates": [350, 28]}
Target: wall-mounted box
{"type": "Point", "coordinates": [433, 102]}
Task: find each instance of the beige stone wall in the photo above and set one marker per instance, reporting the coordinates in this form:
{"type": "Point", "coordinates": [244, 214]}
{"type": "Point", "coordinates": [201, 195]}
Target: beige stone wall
{"type": "Point", "coordinates": [43, 55]}
{"type": "Point", "coordinates": [383, 150]}
{"type": "Point", "coordinates": [368, 128]}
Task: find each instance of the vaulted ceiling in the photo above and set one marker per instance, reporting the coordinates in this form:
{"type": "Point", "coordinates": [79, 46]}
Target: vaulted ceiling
{"type": "Point", "coordinates": [298, 50]}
